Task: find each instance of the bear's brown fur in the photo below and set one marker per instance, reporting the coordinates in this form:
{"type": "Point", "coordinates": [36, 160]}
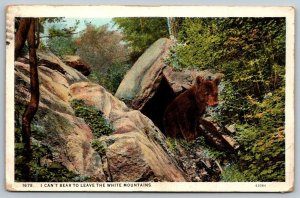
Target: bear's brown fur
{"type": "Point", "coordinates": [182, 115]}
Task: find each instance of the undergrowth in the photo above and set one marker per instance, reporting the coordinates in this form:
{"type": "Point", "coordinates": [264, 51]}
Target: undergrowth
{"type": "Point", "coordinates": [93, 117]}
{"type": "Point", "coordinates": [42, 166]}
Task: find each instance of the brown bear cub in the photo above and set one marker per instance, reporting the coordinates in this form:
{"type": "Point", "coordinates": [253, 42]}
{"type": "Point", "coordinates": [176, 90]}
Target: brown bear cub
{"type": "Point", "coordinates": [182, 115]}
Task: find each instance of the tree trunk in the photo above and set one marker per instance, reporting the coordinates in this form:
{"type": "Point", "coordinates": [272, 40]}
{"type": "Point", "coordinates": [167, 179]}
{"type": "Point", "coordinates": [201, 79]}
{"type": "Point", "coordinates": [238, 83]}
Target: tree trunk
{"type": "Point", "coordinates": [32, 106]}
{"type": "Point", "coordinates": [21, 35]}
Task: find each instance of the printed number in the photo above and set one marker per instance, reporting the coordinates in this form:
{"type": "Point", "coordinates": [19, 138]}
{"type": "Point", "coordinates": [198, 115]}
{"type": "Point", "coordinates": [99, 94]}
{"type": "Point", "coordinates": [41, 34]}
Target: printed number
{"type": "Point", "coordinates": [27, 185]}
{"type": "Point", "coordinates": [260, 185]}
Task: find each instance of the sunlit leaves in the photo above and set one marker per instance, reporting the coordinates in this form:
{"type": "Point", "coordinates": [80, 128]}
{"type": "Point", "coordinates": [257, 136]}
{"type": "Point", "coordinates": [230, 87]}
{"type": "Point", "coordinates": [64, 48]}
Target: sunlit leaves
{"type": "Point", "coordinates": [251, 54]}
{"type": "Point", "coordinates": [141, 32]}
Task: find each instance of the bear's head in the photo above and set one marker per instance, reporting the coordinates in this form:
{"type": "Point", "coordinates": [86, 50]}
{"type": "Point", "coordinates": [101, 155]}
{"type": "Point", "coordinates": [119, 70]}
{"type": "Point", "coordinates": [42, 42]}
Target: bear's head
{"type": "Point", "coordinates": [206, 92]}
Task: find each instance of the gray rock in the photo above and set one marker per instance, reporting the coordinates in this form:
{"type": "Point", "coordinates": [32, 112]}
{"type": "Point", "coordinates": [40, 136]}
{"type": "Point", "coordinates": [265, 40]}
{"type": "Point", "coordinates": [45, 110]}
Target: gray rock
{"type": "Point", "coordinates": [231, 128]}
{"type": "Point", "coordinates": [231, 141]}
{"type": "Point", "coordinates": [198, 154]}
{"type": "Point", "coordinates": [197, 179]}
{"type": "Point", "coordinates": [142, 78]}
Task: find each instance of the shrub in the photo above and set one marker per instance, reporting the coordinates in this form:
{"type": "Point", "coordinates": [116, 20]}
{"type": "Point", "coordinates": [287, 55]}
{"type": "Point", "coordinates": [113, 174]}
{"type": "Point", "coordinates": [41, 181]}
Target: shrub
{"type": "Point", "coordinates": [101, 48]}
{"type": "Point", "coordinates": [93, 117]}
{"type": "Point", "coordinates": [232, 174]}
{"type": "Point", "coordinates": [171, 143]}
{"type": "Point", "coordinates": [208, 150]}
{"type": "Point", "coordinates": [98, 147]}
{"type": "Point", "coordinates": [112, 78]}
{"type": "Point", "coordinates": [263, 157]}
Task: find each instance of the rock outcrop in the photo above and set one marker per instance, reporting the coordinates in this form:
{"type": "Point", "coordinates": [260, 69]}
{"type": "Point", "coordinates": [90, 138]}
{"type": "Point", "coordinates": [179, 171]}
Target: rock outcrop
{"type": "Point", "coordinates": [136, 151]}
{"type": "Point", "coordinates": [76, 63]}
{"type": "Point", "coordinates": [67, 136]}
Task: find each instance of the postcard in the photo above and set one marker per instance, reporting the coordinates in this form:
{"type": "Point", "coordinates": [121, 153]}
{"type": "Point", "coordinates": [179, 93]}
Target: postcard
{"type": "Point", "coordinates": [150, 98]}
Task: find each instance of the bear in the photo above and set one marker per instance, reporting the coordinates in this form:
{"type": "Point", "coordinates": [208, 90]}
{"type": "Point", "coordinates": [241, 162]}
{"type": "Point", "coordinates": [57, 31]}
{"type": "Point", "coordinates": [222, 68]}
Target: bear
{"type": "Point", "coordinates": [182, 114]}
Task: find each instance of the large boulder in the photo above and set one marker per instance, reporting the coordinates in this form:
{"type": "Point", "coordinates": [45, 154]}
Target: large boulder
{"type": "Point", "coordinates": [136, 151]}
{"type": "Point", "coordinates": [145, 74]}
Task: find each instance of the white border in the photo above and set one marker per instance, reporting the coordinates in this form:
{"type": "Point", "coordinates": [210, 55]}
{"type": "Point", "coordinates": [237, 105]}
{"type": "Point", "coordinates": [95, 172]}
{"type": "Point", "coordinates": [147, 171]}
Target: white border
{"type": "Point", "coordinates": [164, 11]}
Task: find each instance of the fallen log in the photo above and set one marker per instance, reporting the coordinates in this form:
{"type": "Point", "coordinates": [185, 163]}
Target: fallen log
{"type": "Point", "coordinates": [215, 138]}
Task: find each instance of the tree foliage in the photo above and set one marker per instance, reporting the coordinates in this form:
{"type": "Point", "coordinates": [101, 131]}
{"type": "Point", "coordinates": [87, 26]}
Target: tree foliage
{"type": "Point", "coordinates": [61, 46]}
{"type": "Point", "coordinates": [141, 32]}
{"type": "Point", "coordinates": [106, 52]}
{"type": "Point", "coordinates": [60, 40]}
{"type": "Point", "coordinates": [101, 48]}
{"type": "Point", "coordinates": [251, 54]}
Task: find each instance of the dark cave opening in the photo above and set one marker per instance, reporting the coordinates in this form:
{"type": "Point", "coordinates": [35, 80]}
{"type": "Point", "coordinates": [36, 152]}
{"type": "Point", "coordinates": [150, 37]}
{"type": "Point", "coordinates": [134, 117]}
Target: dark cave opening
{"type": "Point", "coordinates": [156, 106]}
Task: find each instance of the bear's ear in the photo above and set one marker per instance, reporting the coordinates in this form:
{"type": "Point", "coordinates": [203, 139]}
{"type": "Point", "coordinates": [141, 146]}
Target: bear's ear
{"type": "Point", "coordinates": [199, 80]}
{"type": "Point", "coordinates": [218, 80]}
